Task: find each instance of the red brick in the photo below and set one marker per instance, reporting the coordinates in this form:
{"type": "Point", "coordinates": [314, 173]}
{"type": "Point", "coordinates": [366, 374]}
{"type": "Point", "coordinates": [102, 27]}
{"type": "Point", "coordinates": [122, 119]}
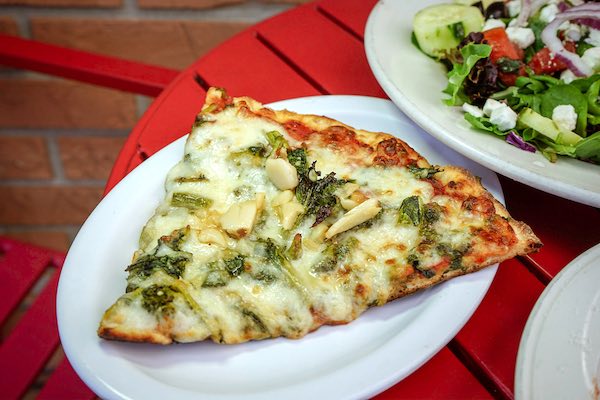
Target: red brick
{"type": "Point", "coordinates": [48, 205]}
{"type": "Point", "coordinates": [64, 3]}
{"type": "Point", "coordinates": [55, 240]}
{"type": "Point", "coordinates": [174, 44]}
{"type": "Point", "coordinates": [57, 103]}
{"type": "Point", "coordinates": [89, 157]}
{"type": "Point", "coordinates": [8, 25]}
{"type": "Point", "coordinates": [24, 157]}
{"type": "Point", "coordinates": [189, 4]}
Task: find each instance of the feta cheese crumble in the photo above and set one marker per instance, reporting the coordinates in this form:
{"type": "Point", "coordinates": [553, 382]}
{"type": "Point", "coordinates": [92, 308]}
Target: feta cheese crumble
{"type": "Point", "coordinates": [548, 13]}
{"type": "Point", "coordinates": [500, 114]}
{"type": "Point", "coordinates": [593, 37]}
{"type": "Point", "coordinates": [514, 8]}
{"type": "Point", "coordinates": [592, 57]}
{"type": "Point", "coordinates": [522, 37]}
{"type": "Point", "coordinates": [565, 117]}
{"type": "Point", "coordinates": [493, 23]}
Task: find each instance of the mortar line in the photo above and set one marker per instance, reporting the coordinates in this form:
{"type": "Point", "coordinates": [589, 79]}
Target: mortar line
{"type": "Point", "coordinates": [55, 161]}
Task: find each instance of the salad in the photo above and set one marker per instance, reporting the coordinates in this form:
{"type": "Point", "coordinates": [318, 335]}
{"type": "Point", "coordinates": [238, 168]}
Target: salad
{"type": "Point", "coordinates": [527, 71]}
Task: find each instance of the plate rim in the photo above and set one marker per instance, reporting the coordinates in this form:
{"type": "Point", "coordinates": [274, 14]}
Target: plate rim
{"type": "Point", "coordinates": [376, 386]}
{"type": "Point", "coordinates": [498, 165]}
{"type": "Point", "coordinates": [544, 303]}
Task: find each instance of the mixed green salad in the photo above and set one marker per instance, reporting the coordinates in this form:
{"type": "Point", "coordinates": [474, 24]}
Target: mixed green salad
{"type": "Point", "coordinates": [527, 71]}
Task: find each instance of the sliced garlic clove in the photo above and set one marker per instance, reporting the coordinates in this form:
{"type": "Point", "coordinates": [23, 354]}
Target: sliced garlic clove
{"type": "Point", "coordinates": [318, 232]}
{"type": "Point", "coordinates": [348, 204]}
{"type": "Point", "coordinates": [212, 236]}
{"type": "Point", "coordinates": [260, 201]}
{"type": "Point", "coordinates": [289, 213]}
{"type": "Point", "coordinates": [239, 220]}
{"type": "Point", "coordinates": [283, 174]}
{"type": "Point", "coordinates": [282, 198]}
{"type": "Point", "coordinates": [359, 214]}
{"type": "Point", "coordinates": [346, 190]}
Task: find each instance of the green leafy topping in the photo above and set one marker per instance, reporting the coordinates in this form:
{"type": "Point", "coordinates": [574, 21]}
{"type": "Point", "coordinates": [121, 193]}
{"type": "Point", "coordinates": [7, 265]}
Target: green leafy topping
{"type": "Point", "coordinates": [264, 276]}
{"type": "Point", "coordinates": [276, 140]}
{"type": "Point", "coordinates": [258, 151]}
{"type": "Point", "coordinates": [334, 255]}
{"type": "Point", "coordinates": [454, 254]}
{"type": "Point", "coordinates": [165, 257]}
{"type": "Point", "coordinates": [295, 249]}
{"type": "Point", "coordinates": [255, 319]}
{"type": "Point", "coordinates": [189, 200]}
{"type": "Point", "coordinates": [235, 265]}
{"type": "Point", "coordinates": [431, 214]}
{"type": "Point", "coordinates": [423, 173]}
{"type": "Point", "coordinates": [413, 259]}
{"type": "Point", "coordinates": [217, 276]}
{"type": "Point", "coordinates": [317, 194]}
{"type": "Point", "coordinates": [158, 299]}
{"type": "Point", "coordinates": [297, 157]}
{"type": "Point", "coordinates": [410, 211]}
{"type": "Point", "coordinates": [185, 179]}
{"type": "Point", "coordinates": [146, 265]}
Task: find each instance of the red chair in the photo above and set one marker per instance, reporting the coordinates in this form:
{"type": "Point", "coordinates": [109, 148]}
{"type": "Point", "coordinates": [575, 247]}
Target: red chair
{"type": "Point", "coordinates": [28, 280]}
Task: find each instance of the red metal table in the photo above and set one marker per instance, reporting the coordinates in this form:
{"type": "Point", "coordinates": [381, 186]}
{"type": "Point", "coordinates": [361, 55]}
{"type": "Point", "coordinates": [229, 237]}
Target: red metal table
{"type": "Point", "coordinates": [317, 49]}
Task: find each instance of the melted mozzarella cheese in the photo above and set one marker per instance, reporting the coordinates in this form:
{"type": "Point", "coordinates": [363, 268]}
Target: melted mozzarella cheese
{"type": "Point", "coordinates": [274, 294]}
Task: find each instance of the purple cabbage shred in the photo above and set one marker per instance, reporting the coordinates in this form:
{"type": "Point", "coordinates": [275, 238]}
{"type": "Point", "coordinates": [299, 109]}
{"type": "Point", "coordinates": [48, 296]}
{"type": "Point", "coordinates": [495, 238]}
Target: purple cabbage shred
{"type": "Point", "coordinates": [518, 141]}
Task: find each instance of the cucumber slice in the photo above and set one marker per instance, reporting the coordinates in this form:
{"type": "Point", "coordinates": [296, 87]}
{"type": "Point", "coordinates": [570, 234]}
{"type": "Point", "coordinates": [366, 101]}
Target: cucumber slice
{"type": "Point", "coordinates": [547, 127]}
{"type": "Point", "coordinates": [441, 27]}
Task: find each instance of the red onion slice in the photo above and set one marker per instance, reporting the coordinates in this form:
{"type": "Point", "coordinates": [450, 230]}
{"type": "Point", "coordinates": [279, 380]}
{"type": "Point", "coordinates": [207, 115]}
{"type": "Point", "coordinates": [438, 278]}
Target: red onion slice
{"type": "Point", "coordinates": [528, 8]}
{"type": "Point", "coordinates": [574, 62]}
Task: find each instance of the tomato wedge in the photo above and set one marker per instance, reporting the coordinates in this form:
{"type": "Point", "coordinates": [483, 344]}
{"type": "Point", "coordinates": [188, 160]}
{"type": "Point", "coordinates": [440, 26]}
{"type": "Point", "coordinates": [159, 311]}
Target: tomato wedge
{"type": "Point", "coordinates": [544, 63]}
{"type": "Point", "coordinates": [501, 45]}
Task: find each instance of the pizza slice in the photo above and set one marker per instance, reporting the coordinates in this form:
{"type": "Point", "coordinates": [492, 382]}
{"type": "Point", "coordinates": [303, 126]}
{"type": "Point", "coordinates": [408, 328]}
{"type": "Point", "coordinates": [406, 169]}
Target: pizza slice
{"type": "Point", "coordinates": [276, 223]}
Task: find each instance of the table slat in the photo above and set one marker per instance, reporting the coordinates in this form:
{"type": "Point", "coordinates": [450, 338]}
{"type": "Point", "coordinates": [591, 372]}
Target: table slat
{"type": "Point", "coordinates": [491, 337]}
{"type": "Point", "coordinates": [331, 56]}
{"type": "Point", "coordinates": [442, 377]}
{"type": "Point", "coordinates": [244, 66]}
{"type": "Point", "coordinates": [351, 13]}
{"type": "Point", "coordinates": [30, 344]}
{"type": "Point", "coordinates": [20, 268]}
{"type": "Point", "coordinates": [566, 228]}
{"type": "Point", "coordinates": [65, 384]}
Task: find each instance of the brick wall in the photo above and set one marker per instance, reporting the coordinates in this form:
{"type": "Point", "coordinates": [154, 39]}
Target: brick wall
{"type": "Point", "coordinates": [59, 138]}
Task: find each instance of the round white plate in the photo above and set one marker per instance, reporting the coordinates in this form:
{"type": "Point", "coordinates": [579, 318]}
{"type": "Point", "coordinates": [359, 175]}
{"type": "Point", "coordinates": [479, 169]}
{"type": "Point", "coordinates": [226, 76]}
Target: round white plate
{"type": "Point", "coordinates": [352, 361]}
{"type": "Point", "coordinates": [559, 354]}
{"type": "Point", "coordinates": [414, 82]}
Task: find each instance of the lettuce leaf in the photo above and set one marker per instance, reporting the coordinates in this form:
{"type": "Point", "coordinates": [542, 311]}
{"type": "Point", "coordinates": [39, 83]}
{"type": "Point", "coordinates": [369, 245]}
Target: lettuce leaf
{"type": "Point", "coordinates": [471, 53]}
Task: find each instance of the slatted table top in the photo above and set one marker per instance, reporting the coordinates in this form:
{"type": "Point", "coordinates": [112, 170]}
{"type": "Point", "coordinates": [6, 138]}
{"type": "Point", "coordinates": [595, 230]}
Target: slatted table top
{"type": "Point", "coordinates": [317, 49]}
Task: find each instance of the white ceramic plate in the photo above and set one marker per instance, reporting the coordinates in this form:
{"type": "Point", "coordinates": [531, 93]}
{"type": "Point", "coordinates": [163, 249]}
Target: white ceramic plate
{"type": "Point", "coordinates": [353, 361]}
{"type": "Point", "coordinates": [559, 354]}
{"type": "Point", "coordinates": [414, 82]}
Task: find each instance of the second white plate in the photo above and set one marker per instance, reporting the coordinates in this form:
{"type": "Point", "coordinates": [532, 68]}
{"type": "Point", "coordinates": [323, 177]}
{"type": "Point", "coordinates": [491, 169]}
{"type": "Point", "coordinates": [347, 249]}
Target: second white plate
{"type": "Point", "coordinates": [357, 360]}
{"type": "Point", "coordinates": [559, 354]}
{"type": "Point", "coordinates": [415, 82]}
